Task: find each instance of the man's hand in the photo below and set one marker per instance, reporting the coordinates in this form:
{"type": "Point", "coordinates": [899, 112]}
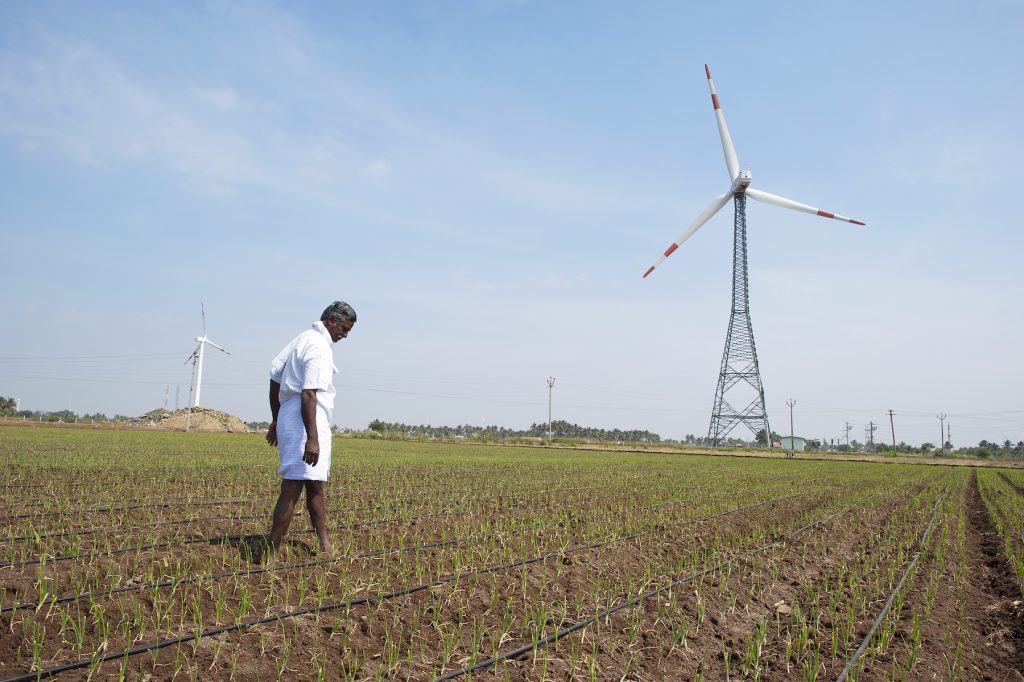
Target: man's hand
{"type": "Point", "coordinates": [312, 453]}
{"type": "Point", "coordinates": [272, 433]}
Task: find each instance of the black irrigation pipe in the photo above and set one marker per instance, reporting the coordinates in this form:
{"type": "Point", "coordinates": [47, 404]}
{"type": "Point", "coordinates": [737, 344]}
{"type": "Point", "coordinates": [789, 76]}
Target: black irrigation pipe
{"type": "Point", "coordinates": [231, 538]}
{"type": "Point", "coordinates": [888, 603]}
{"type": "Point", "coordinates": [31, 486]}
{"type": "Point", "coordinates": [388, 520]}
{"type": "Point", "coordinates": [561, 634]}
{"type": "Point", "coordinates": [298, 512]}
{"type": "Point", "coordinates": [223, 540]}
{"type": "Point", "coordinates": [377, 484]}
{"type": "Point", "coordinates": [348, 492]}
{"type": "Point", "coordinates": [227, 574]}
{"type": "Point", "coordinates": [150, 505]}
{"type": "Point", "coordinates": [359, 601]}
{"type": "Point", "coordinates": [139, 526]}
{"type": "Point", "coordinates": [186, 502]}
{"type": "Point", "coordinates": [195, 579]}
{"type": "Point", "coordinates": [384, 485]}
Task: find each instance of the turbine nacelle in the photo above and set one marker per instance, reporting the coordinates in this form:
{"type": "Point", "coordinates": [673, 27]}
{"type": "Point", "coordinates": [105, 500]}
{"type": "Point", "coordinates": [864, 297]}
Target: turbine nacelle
{"type": "Point", "coordinates": [741, 182]}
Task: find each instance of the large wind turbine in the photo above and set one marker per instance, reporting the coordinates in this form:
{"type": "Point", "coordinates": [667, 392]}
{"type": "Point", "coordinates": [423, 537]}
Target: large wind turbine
{"type": "Point", "coordinates": [739, 361]}
{"type": "Point", "coordinates": [197, 361]}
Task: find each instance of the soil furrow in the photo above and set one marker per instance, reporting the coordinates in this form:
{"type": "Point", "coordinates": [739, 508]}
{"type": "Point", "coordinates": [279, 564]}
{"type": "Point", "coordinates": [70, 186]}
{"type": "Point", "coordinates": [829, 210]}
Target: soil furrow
{"type": "Point", "coordinates": [998, 622]}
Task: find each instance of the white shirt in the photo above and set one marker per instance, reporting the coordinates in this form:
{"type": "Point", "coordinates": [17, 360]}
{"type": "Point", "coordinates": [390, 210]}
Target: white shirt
{"type": "Point", "coordinates": [307, 362]}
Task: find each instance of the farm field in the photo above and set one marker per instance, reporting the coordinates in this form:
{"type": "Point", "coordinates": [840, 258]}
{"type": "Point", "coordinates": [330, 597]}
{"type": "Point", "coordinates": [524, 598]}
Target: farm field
{"type": "Point", "coordinates": [138, 555]}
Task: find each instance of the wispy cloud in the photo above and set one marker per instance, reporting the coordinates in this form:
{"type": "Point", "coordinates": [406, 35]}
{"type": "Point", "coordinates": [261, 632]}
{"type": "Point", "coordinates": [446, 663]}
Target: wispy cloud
{"type": "Point", "coordinates": [76, 98]}
{"type": "Point", "coordinates": [377, 169]}
{"type": "Point", "coordinates": [967, 158]}
{"type": "Point", "coordinates": [224, 99]}
{"type": "Point", "coordinates": [77, 101]}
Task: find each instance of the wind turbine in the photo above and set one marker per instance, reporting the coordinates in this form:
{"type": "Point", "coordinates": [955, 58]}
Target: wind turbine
{"type": "Point", "coordinates": [197, 361]}
{"type": "Point", "coordinates": [739, 360]}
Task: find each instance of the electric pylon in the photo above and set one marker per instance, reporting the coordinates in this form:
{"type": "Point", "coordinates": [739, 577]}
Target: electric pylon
{"type": "Point", "coordinates": [739, 375]}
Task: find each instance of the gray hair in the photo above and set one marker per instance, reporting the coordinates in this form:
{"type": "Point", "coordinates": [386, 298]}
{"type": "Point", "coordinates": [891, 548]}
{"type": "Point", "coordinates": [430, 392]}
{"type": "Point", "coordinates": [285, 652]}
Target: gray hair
{"type": "Point", "coordinates": [339, 310]}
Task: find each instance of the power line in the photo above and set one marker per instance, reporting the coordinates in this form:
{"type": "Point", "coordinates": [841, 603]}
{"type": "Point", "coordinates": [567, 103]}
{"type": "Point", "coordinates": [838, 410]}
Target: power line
{"type": "Point", "coordinates": [84, 358]}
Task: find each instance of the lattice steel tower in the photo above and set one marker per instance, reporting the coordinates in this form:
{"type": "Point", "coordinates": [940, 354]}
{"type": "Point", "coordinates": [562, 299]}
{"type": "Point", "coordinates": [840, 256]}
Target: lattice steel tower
{"type": "Point", "coordinates": [739, 377]}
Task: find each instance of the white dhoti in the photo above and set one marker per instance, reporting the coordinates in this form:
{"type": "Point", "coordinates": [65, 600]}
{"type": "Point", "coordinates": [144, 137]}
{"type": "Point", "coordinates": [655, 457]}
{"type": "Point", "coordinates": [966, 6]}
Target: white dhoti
{"type": "Point", "coordinates": [291, 443]}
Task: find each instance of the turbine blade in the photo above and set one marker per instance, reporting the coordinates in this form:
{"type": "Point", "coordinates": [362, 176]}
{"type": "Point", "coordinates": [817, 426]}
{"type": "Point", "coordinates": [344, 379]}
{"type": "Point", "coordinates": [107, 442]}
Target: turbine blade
{"type": "Point", "coordinates": [203, 308]}
{"type": "Point", "coordinates": [711, 209]}
{"type": "Point", "coordinates": [216, 346]}
{"type": "Point", "coordinates": [192, 355]}
{"type": "Point", "coordinates": [769, 198]}
{"type": "Point", "coordinates": [731, 162]}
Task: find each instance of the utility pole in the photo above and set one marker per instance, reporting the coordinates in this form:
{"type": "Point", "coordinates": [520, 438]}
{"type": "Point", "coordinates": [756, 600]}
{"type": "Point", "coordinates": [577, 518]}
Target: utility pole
{"type": "Point", "coordinates": [893, 427]}
{"type": "Point", "coordinates": [871, 435]}
{"type": "Point", "coordinates": [848, 427]}
{"type": "Point", "coordinates": [942, 429]}
{"type": "Point", "coordinates": [551, 385]}
{"type": "Point", "coordinates": [792, 437]}
{"type": "Point", "coordinates": [948, 438]}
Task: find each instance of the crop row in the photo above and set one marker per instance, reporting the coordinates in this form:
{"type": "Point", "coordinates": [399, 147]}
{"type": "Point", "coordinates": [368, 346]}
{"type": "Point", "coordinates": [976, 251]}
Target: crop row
{"type": "Point", "coordinates": [662, 567]}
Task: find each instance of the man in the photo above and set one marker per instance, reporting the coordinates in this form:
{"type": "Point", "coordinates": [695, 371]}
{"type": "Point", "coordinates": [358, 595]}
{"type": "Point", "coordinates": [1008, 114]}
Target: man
{"type": "Point", "coordinates": [301, 404]}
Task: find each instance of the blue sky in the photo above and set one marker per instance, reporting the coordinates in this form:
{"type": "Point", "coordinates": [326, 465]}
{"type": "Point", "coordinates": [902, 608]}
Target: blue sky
{"type": "Point", "coordinates": [486, 182]}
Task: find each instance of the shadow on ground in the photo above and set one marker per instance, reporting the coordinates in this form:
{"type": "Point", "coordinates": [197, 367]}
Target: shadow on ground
{"type": "Point", "coordinates": [255, 549]}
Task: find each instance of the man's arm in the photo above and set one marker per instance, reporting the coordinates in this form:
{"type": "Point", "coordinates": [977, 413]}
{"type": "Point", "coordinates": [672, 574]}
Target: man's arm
{"type": "Point", "coordinates": [275, 406]}
{"type": "Point", "coordinates": [308, 408]}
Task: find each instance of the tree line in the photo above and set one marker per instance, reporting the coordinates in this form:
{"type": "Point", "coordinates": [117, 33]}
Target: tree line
{"type": "Point", "coordinates": [559, 429]}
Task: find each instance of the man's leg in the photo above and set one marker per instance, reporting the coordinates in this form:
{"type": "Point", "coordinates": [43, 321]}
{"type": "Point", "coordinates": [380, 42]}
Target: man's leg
{"type": "Point", "coordinates": [290, 491]}
{"type": "Point", "coordinates": [318, 512]}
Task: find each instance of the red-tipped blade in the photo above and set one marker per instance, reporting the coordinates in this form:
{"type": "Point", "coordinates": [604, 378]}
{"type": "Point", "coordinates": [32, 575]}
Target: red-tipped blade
{"type": "Point", "coordinates": [711, 209]}
{"type": "Point", "coordinates": [776, 200]}
{"type": "Point", "coordinates": [731, 162]}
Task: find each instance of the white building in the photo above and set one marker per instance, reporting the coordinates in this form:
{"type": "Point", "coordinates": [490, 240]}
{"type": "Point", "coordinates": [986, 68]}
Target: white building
{"type": "Point", "coordinates": [795, 443]}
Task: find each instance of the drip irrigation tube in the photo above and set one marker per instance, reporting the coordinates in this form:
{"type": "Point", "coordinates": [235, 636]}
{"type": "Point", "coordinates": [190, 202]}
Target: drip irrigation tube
{"type": "Point", "coordinates": [888, 603]}
{"type": "Point", "coordinates": [230, 538]}
{"type": "Point", "coordinates": [139, 526]}
{"type": "Point", "coordinates": [227, 574]}
{"type": "Point", "coordinates": [151, 505]}
{"type": "Point", "coordinates": [124, 550]}
{"type": "Point", "coordinates": [561, 634]}
{"type": "Point", "coordinates": [349, 493]}
{"type": "Point", "coordinates": [174, 503]}
{"type": "Point", "coordinates": [358, 601]}
{"type": "Point", "coordinates": [194, 579]}
{"type": "Point", "coordinates": [298, 512]}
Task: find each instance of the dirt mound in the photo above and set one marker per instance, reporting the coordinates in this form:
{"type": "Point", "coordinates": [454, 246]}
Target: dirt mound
{"type": "Point", "coordinates": [201, 419]}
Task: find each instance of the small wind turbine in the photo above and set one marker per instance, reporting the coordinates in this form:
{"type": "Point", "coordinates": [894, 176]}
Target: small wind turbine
{"type": "Point", "coordinates": [197, 361]}
{"type": "Point", "coordinates": [739, 367]}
